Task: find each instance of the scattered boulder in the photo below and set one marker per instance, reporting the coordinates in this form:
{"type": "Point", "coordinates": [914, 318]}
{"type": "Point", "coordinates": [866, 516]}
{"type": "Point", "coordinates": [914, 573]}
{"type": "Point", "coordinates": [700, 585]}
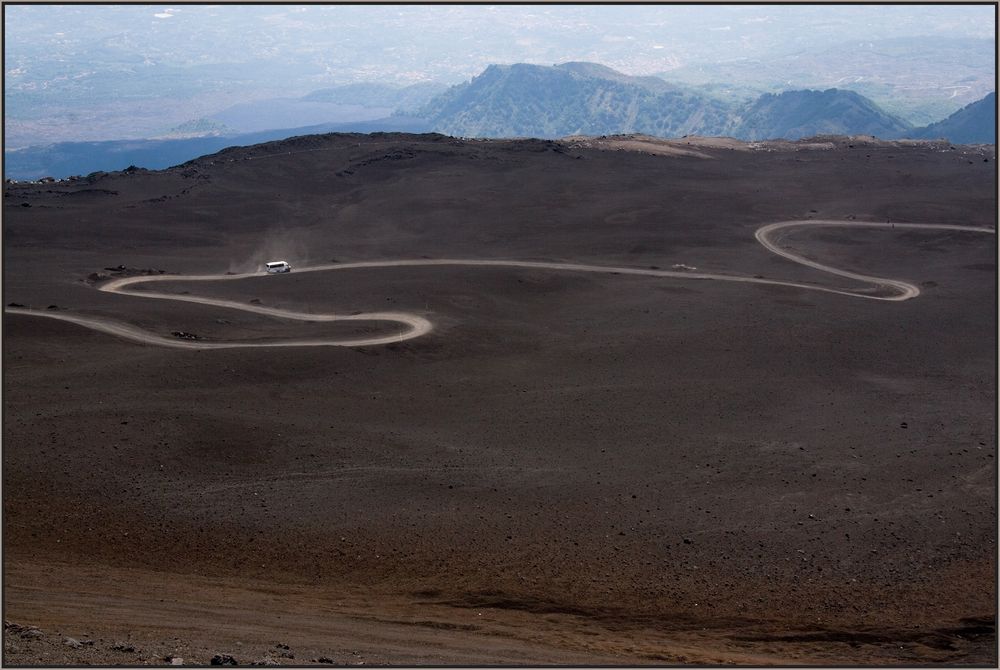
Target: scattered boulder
{"type": "Point", "coordinates": [324, 659]}
{"type": "Point", "coordinates": [70, 642]}
{"type": "Point", "coordinates": [184, 336]}
{"type": "Point", "coordinates": [174, 660]}
{"type": "Point", "coordinates": [32, 633]}
{"type": "Point", "coordinates": [266, 661]}
{"type": "Point", "coordinates": [223, 659]}
{"type": "Point", "coordinates": [53, 307]}
{"type": "Point", "coordinates": [123, 647]}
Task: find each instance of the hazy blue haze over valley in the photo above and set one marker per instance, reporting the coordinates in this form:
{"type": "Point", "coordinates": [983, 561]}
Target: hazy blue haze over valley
{"type": "Point", "coordinates": [127, 72]}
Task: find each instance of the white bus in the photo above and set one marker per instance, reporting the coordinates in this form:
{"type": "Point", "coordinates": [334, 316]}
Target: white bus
{"type": "Point", "coordinates": [278, 266]}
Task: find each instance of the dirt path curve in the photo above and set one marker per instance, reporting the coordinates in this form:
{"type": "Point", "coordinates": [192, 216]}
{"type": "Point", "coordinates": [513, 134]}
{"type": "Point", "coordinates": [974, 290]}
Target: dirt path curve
{"type": "Point", "coordinates": [898, 290]}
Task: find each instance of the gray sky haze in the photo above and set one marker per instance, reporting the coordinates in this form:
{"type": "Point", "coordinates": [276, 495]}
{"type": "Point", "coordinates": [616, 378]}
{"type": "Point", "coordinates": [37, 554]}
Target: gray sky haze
{"type": "Point", "coordinates": [140, 69]}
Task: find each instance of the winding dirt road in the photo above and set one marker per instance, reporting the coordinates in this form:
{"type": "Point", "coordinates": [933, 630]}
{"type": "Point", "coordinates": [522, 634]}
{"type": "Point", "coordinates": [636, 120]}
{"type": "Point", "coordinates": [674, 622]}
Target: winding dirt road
{"type": "Point", "coordinates": [892, 290]}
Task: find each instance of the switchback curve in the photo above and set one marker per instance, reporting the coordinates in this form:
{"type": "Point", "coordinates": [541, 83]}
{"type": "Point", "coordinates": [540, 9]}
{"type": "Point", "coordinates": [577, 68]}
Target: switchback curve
{"type": "Point", "coordinates": [895, 290]}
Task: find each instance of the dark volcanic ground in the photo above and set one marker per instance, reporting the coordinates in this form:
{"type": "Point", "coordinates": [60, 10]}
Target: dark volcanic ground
{"type": "Point", "coordinates": [570, 468]}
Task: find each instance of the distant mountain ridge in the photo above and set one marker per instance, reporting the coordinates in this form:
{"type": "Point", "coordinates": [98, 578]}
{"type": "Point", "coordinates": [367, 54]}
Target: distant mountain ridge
{"type": "Point", "coordinates": [919, 78]}
{"type": "Point", "coordinates": [524, 100]}
{"type": "Point", "coordinates": [64, 159]}
{"type": "Point", "coordinates": [796, 114]}
{"type": "Point", "coordinates": [588, 99]}
{"type": "Point", "coordinates": [976, 123]}
{"type": "Point", "coordinates": [549, 102]}
{"type": "Point", "coordinates": [575, 98]}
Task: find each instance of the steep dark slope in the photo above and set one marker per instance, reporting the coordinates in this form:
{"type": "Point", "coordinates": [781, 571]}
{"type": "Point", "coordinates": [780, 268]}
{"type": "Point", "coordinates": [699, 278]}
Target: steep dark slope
{"type": "Point", "coordinates": [975, 123]}
{"type": "Point", "coordinates": [774, 438]}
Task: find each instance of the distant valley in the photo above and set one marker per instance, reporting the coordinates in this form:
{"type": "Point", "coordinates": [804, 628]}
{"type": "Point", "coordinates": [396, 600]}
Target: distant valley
{"type": "Point", "coordinates": [920, 79]}
{"type": "Point", "coordinates": [351, 103]}
{"type": "Point", "coordinates": [518, 100]}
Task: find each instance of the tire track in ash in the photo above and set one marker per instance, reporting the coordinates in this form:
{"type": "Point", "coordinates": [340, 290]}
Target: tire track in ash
{"type": "Point", "coordinates": [416, 326]}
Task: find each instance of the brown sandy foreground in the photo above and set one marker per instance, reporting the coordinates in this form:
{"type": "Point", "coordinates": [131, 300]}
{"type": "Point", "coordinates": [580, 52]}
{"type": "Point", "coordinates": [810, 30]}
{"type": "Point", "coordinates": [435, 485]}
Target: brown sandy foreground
{"type": "Point", "coordinates": [569, 468]}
